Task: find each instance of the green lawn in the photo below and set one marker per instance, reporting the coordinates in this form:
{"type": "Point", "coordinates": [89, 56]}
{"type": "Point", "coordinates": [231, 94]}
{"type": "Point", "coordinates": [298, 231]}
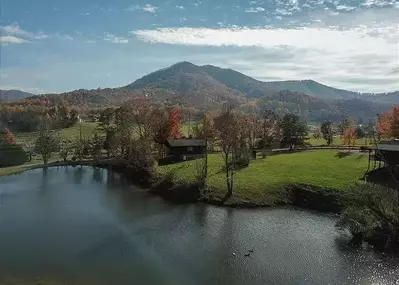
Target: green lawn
{"type": "Point", "coordinates": [87, 130]}
{"type": "Point", "coordinates": [22, 138]}
{"type": "Point", "coordinates": [262, 181]}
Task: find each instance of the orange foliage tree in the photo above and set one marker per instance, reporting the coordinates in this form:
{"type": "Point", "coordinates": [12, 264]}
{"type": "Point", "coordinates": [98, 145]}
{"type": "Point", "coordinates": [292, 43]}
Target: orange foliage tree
{"type": "Point", "coordinates": [7, 137]}
{"type": "Point", "coordinates": [388, 123]}
{"type": "Point", "coordinates": [349, 136]}
{"type": "Point", "coordinates": [175, 119]}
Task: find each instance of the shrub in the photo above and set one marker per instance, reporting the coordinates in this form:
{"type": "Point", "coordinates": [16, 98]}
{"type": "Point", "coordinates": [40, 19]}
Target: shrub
{"type": "Point", "coordinates": [372, 216]}
{"type": "Point", "coordinates": [12, 155]}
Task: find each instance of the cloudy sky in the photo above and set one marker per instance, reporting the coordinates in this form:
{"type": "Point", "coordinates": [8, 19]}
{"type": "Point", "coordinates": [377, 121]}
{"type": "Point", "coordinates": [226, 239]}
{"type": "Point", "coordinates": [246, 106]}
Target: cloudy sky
{"type": "Point", "coordinates": [58, 46]}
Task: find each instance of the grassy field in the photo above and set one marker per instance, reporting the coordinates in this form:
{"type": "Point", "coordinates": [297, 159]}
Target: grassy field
{"type": "Point", "coordinates": [262, 181]}
{"type": "Point", "coordinates": [70, 133]}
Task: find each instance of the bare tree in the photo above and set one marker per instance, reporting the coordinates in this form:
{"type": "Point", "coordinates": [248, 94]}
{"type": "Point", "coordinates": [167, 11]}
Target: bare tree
{"type": "Point", "coordinates": [228, 129]}
{"type": "Point", "coordinates": [270, 130]}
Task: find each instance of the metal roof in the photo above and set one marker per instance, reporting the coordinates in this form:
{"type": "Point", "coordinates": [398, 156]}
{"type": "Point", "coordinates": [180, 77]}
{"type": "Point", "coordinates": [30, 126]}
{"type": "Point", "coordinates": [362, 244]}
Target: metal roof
{"type": "Point", "coordinates": [185, 142]}
{"type": "Point", "coordinates": [388, 145]}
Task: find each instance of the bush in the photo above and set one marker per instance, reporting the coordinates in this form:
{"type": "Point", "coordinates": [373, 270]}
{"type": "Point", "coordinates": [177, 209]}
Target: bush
{"type": "Point", "coordinates": [372, 216]}
{"type": "Point", "coordinates": [12, 155]}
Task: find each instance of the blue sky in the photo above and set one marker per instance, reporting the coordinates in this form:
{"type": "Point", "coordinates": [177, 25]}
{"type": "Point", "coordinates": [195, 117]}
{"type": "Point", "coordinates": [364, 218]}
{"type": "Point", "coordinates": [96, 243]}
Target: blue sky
{"type": "Point", "coordinates": [58, 46]}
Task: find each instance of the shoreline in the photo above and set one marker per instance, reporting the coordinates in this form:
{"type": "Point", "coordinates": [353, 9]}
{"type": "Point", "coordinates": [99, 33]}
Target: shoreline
{"type": "Point", "coordinates": [304, 196]}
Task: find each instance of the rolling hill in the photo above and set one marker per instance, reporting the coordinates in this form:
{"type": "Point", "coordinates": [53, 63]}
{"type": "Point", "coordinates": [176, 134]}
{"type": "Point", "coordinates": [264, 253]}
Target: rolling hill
{"type": "Point", "coordinates": [207, 87]}
{"type": "Point", "coordinates": [9, 95]}
{"type": "Point", "coordinates": [185, 76]}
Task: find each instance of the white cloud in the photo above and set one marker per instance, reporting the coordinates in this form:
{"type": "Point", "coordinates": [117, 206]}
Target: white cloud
{"type": "Point", "coordinates": [254, 9]}
{"type": "Point", "coordinates": [180, 7]}
{"type": "Point", "coordinates": [90, 42]}
{"type": "Point", "coordinates": [345, 8]}
{"type": "Point", "coordinates": [283, 12]}
{"type": "Point", "coordinates": [114, 39]}
{"type": "Point", "coordinates": [365, 55]}
{"type": "Point", "coordinates": [15, 30]}
{"type": "Point", "coordinates": [146, 8]}
{"type": "Point", "coordinates": [150, 8]}
{"type": "Point", "coordinates": [11, 40]}
{"type": "Point", "coordinates": [67, 38]}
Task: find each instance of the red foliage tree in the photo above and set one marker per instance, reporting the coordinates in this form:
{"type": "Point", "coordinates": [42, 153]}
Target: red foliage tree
{"type": "Point", "coordinates": [175, 119]}
{"type": "Point", "coordinates": [350, 136]}
{"type": "Point", "coordinates": [388, 123]}
{"type": "Point", "coordinates": [7, 137]}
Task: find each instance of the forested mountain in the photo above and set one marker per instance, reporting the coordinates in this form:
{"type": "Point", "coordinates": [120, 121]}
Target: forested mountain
{"type": "Point", "coordinates": [185, 76]}
{"type": "Point", "coordinates": [317, 110]}
{"type": "Point", "coordinates": [8, 95]}
{"type": "Point", "coordinates": [202, 88]}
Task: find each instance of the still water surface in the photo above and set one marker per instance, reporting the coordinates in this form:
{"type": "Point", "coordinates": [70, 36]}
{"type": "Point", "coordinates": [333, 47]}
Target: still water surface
{"type": "Point", "coordinates": [89, 226]}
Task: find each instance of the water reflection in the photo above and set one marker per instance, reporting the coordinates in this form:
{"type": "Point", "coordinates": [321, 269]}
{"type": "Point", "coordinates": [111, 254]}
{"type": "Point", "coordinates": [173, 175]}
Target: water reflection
{"type": "Point", "coordinates": [91, 226]}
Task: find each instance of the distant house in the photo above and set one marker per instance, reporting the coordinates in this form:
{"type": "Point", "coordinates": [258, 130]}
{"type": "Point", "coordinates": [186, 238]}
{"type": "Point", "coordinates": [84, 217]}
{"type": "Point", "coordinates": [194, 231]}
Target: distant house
{"type": "Point", "coordinates": [183, 149]}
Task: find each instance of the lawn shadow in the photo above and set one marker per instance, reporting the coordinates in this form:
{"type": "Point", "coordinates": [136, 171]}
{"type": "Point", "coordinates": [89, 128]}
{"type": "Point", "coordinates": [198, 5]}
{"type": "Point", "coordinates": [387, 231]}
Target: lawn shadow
{"type": "Point", "coordinates": [343, 154]}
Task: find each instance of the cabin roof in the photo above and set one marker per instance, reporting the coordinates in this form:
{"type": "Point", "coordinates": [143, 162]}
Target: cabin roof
{"type": "Point", "coordinates": [185, 142]}
{"type": "Point", "coordinates": [392, 145]}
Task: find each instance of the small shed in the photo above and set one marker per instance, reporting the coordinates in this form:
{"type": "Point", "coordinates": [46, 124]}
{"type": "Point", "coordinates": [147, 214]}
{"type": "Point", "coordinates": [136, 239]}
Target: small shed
{"type": "Point", "coordinates": [388, 151]}
{"type": "Point", "coordinates": [184, 149]}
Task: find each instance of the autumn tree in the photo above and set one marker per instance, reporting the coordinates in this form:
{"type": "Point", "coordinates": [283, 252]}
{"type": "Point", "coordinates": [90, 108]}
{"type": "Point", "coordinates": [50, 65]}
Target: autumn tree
{"type": "Point", "coordinates": [388, 123]}
{"type": "Point", "coordinates": [7, 137]}
{"type": "Point", "coordinates": [175, 119]}
{"type": "Point", "coordinates": [205, 129]}
{"type": "Point", "coordinates": [326, 130]}
{"type": "Point", "coordinates": [269, 130]}
{"type": "Point", "coordinates": [349, 136]}
{"type": "Point", "coordinates": [47, 143]}
{"type": "Point", "coordinates": [228, 130]}
{"type": "Point", "coordinates": [345, 124]}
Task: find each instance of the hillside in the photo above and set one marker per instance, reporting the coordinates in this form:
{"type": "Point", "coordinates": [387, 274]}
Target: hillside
{"type": "Point", "coordinates": [316, 110]}
{"type": "Point", "coordinates": [9, 95]}
{"type": "Point", "coordinates": [184, 77]}
{"type": "Point", "coordinates": [188, 80]}
{"type": "Point", "coordinates": [207, 87]}
{"type": "Point", "coordinates": [385, 98]}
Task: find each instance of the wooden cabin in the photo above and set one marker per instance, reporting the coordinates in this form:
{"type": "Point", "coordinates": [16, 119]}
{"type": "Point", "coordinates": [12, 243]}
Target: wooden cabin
{"type": "Point", "coordinates": [178, 150]}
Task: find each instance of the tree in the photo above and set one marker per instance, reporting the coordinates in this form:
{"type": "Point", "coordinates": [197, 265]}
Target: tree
{"type": "Point", "coordinates": [47, 142]}
{"type": "Point", "coordinates": [7, 137]}
{"type": "Point", "coordinates": [227, 127]}
{"type": "Point", "coordinates": [388, 123]}
{"type": "Point", "coordinates": [270, 129]}
{"type": "Point", "coordinates": [326, 130]}
{"type": "Point", "coordinates": [65, 149]}
{"type": "Point", "coordinates": [206, 129]}
{"type": "Point", "coordinates": [360, 132]}
{"type": "Point", "coordinates": [346, 123]}
{"type": "Point", "coordinates": [294, 130]}
{"type": "Point", "coordinates": [95, 146]}
{"type": "Point", "coordinates": [317, 134]}
{"type": "Point", "coordinates": [349, 137]}
{"type": "Point", "coordinates": [175, 119]}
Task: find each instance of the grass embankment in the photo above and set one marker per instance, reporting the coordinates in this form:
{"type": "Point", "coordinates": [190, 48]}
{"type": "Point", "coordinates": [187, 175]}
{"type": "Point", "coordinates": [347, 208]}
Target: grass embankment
{"type": "Point", "coordinates": [261, 183]}
{"type": "Point", "coordinates": [336, 142]}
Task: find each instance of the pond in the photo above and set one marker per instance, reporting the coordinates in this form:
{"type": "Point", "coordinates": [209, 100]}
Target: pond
{"type": "Point", "coordinates": [79, 225]}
